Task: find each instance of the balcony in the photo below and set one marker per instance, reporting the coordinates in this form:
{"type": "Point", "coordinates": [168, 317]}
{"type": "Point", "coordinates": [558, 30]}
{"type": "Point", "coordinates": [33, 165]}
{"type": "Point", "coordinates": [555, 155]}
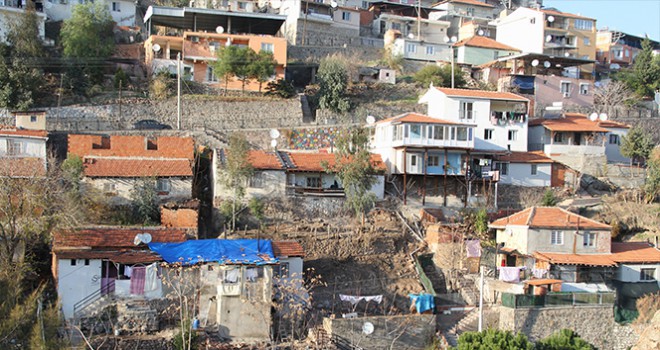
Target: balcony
{"type": "Point", "coordinates": [586, 150]}
{"type": "Point", "coordinates": [427, 142]}
{"type": "Point", "coordinates": [575, 299]}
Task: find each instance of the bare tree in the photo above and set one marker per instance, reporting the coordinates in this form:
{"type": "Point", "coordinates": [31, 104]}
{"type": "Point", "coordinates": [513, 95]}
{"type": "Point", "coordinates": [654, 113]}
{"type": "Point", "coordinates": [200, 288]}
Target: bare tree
{"type": "Point", "coordinates": [614, 94]}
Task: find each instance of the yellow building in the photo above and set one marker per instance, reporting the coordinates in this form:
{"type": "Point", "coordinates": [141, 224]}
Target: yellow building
{"type": "Point", "coordinates": [570, 35]}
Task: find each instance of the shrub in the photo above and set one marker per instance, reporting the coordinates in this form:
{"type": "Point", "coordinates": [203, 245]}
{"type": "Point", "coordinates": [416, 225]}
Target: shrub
{"type": "Point", "coordinates": [121, 78]}
{"type": "Point", "coordinates": [280, 88]}
{"type": "Point", "coordinates": [549, 199]}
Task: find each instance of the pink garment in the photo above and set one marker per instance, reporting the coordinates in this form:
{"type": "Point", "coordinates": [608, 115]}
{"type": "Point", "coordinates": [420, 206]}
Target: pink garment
{"type": "Point", "coordinates": [473, 248]}
{"type": "Point", "coordinates": [137, 280]}
{"type": "Point", "coordinates": [510, 274]}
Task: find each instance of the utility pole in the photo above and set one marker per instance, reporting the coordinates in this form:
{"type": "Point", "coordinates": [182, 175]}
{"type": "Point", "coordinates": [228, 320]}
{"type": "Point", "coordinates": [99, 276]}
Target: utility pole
{"type": "Point", "coordinates": [481, 299]}
{"type": "Point", "coordinates": [120, 118]}
{"type": "Point", "coordinates": [178, 91]}
{"type": "Point", "coordinates": [419, 20]}
{"type": "Point", "coordinates": [59, 99]}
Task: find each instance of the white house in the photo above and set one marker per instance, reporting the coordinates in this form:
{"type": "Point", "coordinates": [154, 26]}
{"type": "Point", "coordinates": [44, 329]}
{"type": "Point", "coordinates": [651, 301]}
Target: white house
{"type": "Point", "coordinates": [10, 11]}
{"type": "Point", "coordinates": [95, 264]}
{"type": "Point", "coordinates": [616, 131]}
{"type": "Point", "coordinates": [23, 152]}
{"type": "Point", "coordinates": [529, 169]}
{"type": "Point", "coordinates": [122, 11]}
{"type": "Point", "coordinates": [115, 164]}
{"type": "Point", "coordinates": [499, 118]}
{"type": "Point", "coordinates": [639, 262]}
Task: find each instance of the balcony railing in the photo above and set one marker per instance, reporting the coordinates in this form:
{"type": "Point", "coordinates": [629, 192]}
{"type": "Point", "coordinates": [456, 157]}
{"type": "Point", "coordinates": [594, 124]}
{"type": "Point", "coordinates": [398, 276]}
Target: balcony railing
{"type": "Point", "coordinates": [419, 141]}
{"type": "Point", "coordinates": [574, 149]}
{"type": "Point", "coordinates": [295, 191]}
{"type": "Point", "coordinates": [518, 301]}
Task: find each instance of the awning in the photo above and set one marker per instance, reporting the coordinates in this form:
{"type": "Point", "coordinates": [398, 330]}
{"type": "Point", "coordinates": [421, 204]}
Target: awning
{"type": "Point", "coordinates": [199, 19]}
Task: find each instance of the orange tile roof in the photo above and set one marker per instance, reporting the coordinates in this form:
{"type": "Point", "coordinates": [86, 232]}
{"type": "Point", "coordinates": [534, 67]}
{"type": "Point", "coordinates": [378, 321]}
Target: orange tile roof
{"type": "Point", "coordinates": [417, 118]}
{"type": "Point", "coordinates": [22, 167]}
{"type": "Point", "coordinates": [112, 237]}
{"type": "Point", "coordinates": [483, 94]}
{"type": "Point", "coordinates": [485, 42]}
{"type": "Point", "coordinates": [549, 217]}
{"type": "Point", "coordinates": [562, 14]}
{"type": "Point", "coordinates": [569, 122]}
{"type": "Point", "coordinates": [311, 161]}
{"type": "Point", "coordinates": [525, 157]}
{"type": "Point", "coordinates": [576, 259]}
{"type": "Point", "coordinates": [613, 124]}
{"type": "Point", "coordinates": [11, 131]}
{"type": "Point", "coordinates": [140, 167]}
{"type": "Point", "coordinates": [542, 281]}
{"type": "Point", "coordinates": [469, 2]}
{"type": "Point", "coordinates": [635, 252]}
{"type": "Point", "coordinates": [263, 160]}
{"type": "Point", "coordinates": [288, 248]}
{"type": "Point", "coordinates": [120, 257]}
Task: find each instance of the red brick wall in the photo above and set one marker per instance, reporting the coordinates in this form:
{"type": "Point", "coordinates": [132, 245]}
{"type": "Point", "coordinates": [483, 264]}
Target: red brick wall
{"type": "Point", "coordinates": [181, 218]}
{"type": "Point", "coordinates": [132, 146]}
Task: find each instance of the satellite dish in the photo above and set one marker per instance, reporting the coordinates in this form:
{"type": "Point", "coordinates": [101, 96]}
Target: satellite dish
{"type": "Point", "coordinates": [274, 133]}
{"type": "Point", "coordinates": [371, 119]}
{"type": "Point", "coordinates": [546, 64]}
{"type": "Point", "coordinates": [146, 238]}
{"type": "Point", "coordinates": [454, 39]}
{"type": "Point", "coordinates": [138, 239]}
{"type": "Point", "coordinates": [548, 38]}
{"type": "Point", "coordinates": [273, 143]}
{"type": "Point", "coordinates": [568, 54]}
{"type": "Point", "coordinates": [615, 66]}
{"type": "Point", "coordinates": [593, 117]}
{"type": "Point", "coordinates": [156, 47]}
{"type": "Point", "coordinates": [228, 43]}
{"type": "Point", "coordinates": [551, 19]}
{"type": "Point", "coordinates": [535, 63]}
{"type": "Point", "coordinates": [411, 36]}
{"type": "Point", "coordinates": [276, 4]}
{"type": "Point", "coordinates": [602, 117]}
{"type": "Point", "coordinates": [367, 328]}
{"type": "Point", "coordinates": [446, 39]}
{"type": "Point", "coordinates": [480, 32]}
{"type": "Point", "coordinates": [219, 29]}
{"type": "Point", "coordinates": [334, 4]}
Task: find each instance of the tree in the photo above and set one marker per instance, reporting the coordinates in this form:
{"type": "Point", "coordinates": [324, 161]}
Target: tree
{"type": "Point", "coordinates": [333, 84]}
{"type": "Point", "coordinates": [652, 183]}
{"type": "Point", "coordinates": [263, 67]}
{"type": "Point", "coordinates": [549, 199]}
{"type": "Point", "coordinates": [355, 170]}
{"type": "Point", "coordinates": [144, 200]}
{"type": "Point", "coordinates": [237, 170]}
{"type": "Point", "coordinates": [565, 339]}
{"type": "Point", "coordinates": [636, 145]}
{"type": "Point", "coordinates": [234, 61]}
{"type": "Point", "coordinates": [439, 76]}
{"type": "Point", "coordinates": [644, 76]}
{"type": "Point", "coordinates": [185, 286]}
{"type": "Point", "coordinates": [88, 39]}
{"type": "Point", "coordinates": [491, 339]}
{"type": "Point", "coordinates": [614, 94]}
{"type": "Point", "coordinates": [20, 77]}
{"type": "Point", "coordinates": [481, 222]}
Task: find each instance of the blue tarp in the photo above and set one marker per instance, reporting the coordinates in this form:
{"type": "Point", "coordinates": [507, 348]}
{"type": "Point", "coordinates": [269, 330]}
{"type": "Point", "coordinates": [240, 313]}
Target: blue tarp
{"type": "Point", "coordinates": [224, 251]}
{"type": "Point", "coordinates": [422, 301]}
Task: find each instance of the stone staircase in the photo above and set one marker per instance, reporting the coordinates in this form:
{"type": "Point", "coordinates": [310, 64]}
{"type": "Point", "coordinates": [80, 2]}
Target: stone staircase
{"type": "Point", "coordinates": [308, 115]}
{"type": "Point", "coordinates": [435, 275]}
{"type": "Point", "coordinates": [136, 315]}
{"type": "Point", "coordinates": [468, 290]}
{"type": "Point", "coordinates": [469, 323]}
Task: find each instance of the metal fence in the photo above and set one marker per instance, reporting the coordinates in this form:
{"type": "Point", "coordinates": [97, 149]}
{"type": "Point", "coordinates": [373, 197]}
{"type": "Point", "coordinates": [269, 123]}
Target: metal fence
{"type": "Point", "coordinates": [517, 301]}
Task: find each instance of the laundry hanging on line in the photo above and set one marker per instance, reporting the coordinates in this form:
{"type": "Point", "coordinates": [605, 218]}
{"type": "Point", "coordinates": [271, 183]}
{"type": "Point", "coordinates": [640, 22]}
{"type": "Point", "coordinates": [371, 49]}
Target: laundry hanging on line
{"type": "Point", "coordinates": [353, 299]}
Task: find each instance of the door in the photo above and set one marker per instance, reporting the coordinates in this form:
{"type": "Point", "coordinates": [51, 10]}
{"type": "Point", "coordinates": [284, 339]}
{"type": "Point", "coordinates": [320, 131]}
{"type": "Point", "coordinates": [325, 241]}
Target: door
{"type": "Point", "coordinates": [558, 174]}
{"type": "Point", "coordinates": [414, 166]}
{"type": "Point", "coordinates": [108, 277]}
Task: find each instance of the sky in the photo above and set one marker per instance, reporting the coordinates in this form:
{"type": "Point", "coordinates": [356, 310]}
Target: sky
{"type": "Point", "coordinates": [635, 17]}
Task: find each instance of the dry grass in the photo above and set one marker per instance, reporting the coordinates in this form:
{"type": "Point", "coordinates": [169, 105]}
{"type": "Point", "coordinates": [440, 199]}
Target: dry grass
{"type": "Point", "coordinates": [647, 306]}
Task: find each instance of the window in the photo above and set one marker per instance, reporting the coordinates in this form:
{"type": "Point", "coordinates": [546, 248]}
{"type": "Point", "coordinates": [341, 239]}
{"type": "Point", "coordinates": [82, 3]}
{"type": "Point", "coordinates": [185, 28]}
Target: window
{"type": "Point", "coordinates": [242, 5]}
{"type": "Point", "coordinates": [398, 133]}
{"type": "Point", "coordinates": [461, 134]}
{"type": "Point", "coordinates": [559, 137]}
{"type": "Point", "coordinates": [314, 182]}
{"type": "Point", "coordinates": [108, 187]}
{"type": "Point", "coordinates": [434, 161]}
{"type": "Point", "coordinates": [163, 185]}
{"type": "Point", "coordinates": [115, 7]}
{"type": "Point", "coordinates": [252, 274]}
{"type": "Point", "coordinates": [496, 54]}
{"type": "Point", "coordinates": [345, 16]}
{"type": "Point", "coordinates": [73, 262]}
{"type": "Point", "coordinates": [584, 89]}
{"type": "Point", "coordinates": [470, 11]}
{"type": "Point", "coordinates": [565, 88]}
{"type": "Point", "coordinates": [584, 24]}
{"type": "Point", "coordinates": [557, 238]}
{"type": "Point", "coordinates": [453, 133]}
{"type": "Point", "coordinates": [86, 262]}
{"type": "Point", "coordinates": [589, 239]}
{"type": "Point", "coordinates": [365, 4]}
{"type": "Point", "coordinates": [438, 132]}
{"type": "Point", "coordinates": [488, 134]}
{"type": "Point", "coordinates": [534, 169]}
{"type": "Point", "coordinates": [14, 147]}
{"type": "Point", "coordinates": [430, 50]}
{"type": "Point", "coordinates": [586, 41]}
{"type": "Point", "coordinates": [411, 48]}
{"type": "Point", "coordinates": [627, 53]}
{"type": "Point", "coordinates": [647, 274]}
{"type": "Point", "coordinates": [231, 276]}
{"type": "Point", "coordinates": [513, 135]}
{"type": "Point", "coordinates": [257, 180]}
{"type": "Point", "coordinates": [210, 75]}
{"type": "Point", "coordinates": [503, 168]}
{"type": "Point", "coordinates": [33, 119]}
{"type": "Point", "coordinates": [267, 47]}
{"type": "Point", "coordinates": [281, 270]}
{"type": "Point", "coordinates": [152, 144]}
{"type": "Point", "coordinates": [466, 110]}
{"type": "Point", "coordinates": [415, 131]}
{"type": "Point", "coordinates": [413, 160]}
{"type": "Point", "coordinates": [614, 139]}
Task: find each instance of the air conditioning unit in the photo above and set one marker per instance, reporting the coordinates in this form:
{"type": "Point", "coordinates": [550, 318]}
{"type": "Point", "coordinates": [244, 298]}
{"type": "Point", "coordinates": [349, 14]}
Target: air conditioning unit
{"type": "Point", "coordinates": [566, 94]}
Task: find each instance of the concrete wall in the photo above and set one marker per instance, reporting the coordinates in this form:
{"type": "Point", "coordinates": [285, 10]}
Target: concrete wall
{"type": "Point", "coordinates": [522, 29]}
{"type": "Point", "coordinates": [31, 147]}
{"type": "Point", "coordinates": [389, 332]}
{"type": "Point", "coordinates": [479, 55]}
{"type": "Point", "coordinates": [548, 90]}
{"type": "Point", "coordinates": [540, 240]}
{"type": "Point", "coordinates": [514, 237]}
{"type": "Point", "coordinates": [76, 282]}
{"type": "Point", "coordinates": [180, 188]}
{"type": "Point", "coordinates": [124, 17]}
{"type": "Point", "coordinates": [631, 272]}
{"type": "Point", "coordinates": [613, 150]}
{"type": "Point", "coordinates": [594, 324]}
{"type": "Point", "coordinates": [520, 174]}
{"type": "Point", "coordinates": [24, 121]}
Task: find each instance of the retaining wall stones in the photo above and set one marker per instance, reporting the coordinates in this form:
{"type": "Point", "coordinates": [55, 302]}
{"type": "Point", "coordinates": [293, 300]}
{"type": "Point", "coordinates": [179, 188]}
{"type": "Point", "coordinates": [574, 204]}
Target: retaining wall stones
{"type": "Point", "coordinates": [594, 324]}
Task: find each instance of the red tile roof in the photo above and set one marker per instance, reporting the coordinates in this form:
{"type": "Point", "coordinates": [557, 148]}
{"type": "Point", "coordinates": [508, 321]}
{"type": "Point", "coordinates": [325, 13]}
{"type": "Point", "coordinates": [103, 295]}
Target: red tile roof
{"type": "Point", "coordinates": [264, 160]}
{"type": "Point", "coordinates": [483, 94]}
{"type": "Point", "coordinates": [417, 118]}
{"type": "Point", "coordinates": [288, 248]}
{"type": "Point", "coordinates": [570, 122]}
{"type": "Point", "coordinates": [140, 167]}
{"type": "Point", "coordinates": [112, 237]}
{"type": "Point", "coordinates": [635, 252]}
{"type": "Point", "coordinates": [301, 161]}
{"type": "Point", "coordinates": [22, 167]}
{"type": "Point", "coordinates": [550, 12]}
{"type": "Point", "coordinates": [469, 2]}
{"type": "Point", "coordinates": [485, 42]}
{"type": "Point", "coordinates": [11, 131]}
{"type": "Point", "coordinates": [576, 259]}
{"type": "Point", "coordinates": [549, 217]}
{"type": "Point", "coordinates": [121, 257]}
{"type": "Point", "coordinates": [525, 157]}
